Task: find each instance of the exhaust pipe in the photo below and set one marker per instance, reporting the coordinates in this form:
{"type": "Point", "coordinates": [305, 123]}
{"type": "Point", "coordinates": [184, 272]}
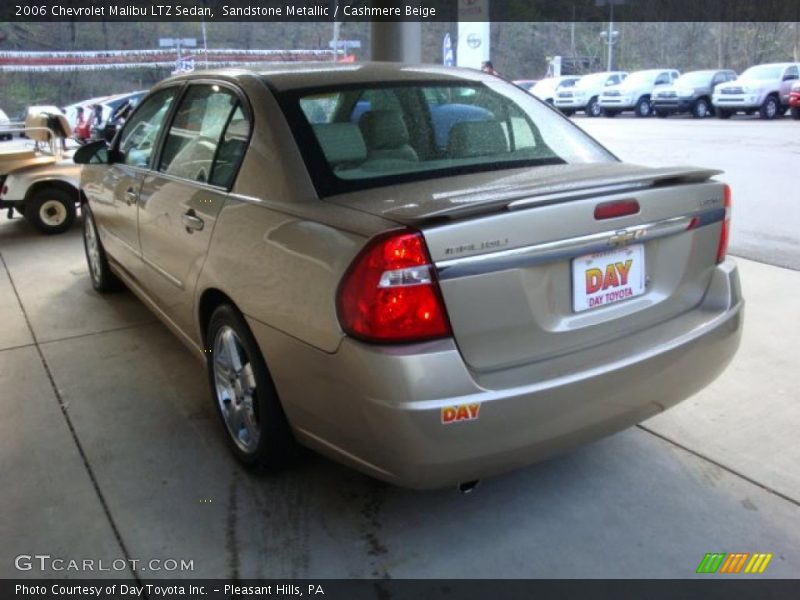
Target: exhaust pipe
{"type": "Point", "coordinates": [468, 486]}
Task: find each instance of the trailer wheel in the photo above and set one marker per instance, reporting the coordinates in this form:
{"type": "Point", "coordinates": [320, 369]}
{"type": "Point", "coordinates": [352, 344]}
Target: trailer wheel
{"type": "Point", "coordinates": [50, 210]}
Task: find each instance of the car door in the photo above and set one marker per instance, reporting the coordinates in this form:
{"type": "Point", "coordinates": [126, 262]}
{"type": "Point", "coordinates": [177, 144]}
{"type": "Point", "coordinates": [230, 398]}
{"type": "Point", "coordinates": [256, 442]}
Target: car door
{"type": "Point", "coordinates": [181, 198]}
{"type": "Point", "coordinates": [115, 202]}
{"type": "Point", "coordinates": [790, 75]}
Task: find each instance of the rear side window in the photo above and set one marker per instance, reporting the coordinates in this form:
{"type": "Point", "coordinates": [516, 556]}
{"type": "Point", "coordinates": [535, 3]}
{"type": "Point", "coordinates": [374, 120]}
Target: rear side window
{"type": "Point", "coordinates": [207, 137]}
{"type": "Point", "coordinates": [231, 149]}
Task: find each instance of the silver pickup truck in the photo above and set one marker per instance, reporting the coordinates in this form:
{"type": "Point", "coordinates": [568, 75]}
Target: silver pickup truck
{"type": "Point", "coordinates": [763, 88]}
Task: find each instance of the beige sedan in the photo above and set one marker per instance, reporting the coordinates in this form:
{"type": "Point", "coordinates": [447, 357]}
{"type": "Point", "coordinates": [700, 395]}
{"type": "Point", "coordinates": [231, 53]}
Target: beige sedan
{"type": "Point", "coordinates": [424, 273]}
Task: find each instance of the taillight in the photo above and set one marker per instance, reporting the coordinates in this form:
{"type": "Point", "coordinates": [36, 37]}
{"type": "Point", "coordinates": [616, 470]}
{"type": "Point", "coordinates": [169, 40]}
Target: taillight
{"type": "Point", "coordinates": [390, 293]}
{"type": "Point", "coordinates": [724, 235]}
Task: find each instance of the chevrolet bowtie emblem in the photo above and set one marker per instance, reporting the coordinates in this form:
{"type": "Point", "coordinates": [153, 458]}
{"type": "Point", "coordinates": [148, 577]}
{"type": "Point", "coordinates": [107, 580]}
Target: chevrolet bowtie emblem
{"type": "Point", "coordinates": [622, 237]}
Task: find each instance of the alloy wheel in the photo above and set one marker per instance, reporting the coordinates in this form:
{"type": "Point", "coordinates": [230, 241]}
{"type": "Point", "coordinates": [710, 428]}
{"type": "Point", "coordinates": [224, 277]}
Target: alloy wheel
{"type": "Point", "coordinates": [92, 248]}
{"type": "Point", "coordinates": [235, 388]}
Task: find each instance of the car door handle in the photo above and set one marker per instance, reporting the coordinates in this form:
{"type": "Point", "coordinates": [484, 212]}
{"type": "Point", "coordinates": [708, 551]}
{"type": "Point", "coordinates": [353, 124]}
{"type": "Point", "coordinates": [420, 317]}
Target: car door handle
{"type": "Point", "coordinates": [191, 221]}
{"type": "Point", "coordinates": [131, 196]}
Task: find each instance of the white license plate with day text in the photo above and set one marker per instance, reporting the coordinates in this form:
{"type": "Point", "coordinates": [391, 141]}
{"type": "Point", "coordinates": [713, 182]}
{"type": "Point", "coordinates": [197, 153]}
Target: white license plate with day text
{"type": "Point", "coordinates": [605, 278]}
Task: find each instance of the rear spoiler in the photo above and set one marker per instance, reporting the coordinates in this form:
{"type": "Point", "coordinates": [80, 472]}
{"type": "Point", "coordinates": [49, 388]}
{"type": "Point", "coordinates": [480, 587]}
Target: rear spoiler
{"type": "Point", "coordinates": [516, 197]}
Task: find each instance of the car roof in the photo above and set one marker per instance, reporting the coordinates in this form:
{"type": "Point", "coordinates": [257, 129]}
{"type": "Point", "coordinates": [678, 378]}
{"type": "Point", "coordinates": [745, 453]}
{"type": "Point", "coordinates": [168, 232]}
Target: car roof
{"type": "Point", "coordinates": [654, 70]}
{"type": "Point", "coordinates": [708, 71]}
{"type": "Point", "coordinates": [288, 76]}
{"type": "Point", "coordinates": [780, 64]}
{"type": "Point", "coordinates": [606, 73]}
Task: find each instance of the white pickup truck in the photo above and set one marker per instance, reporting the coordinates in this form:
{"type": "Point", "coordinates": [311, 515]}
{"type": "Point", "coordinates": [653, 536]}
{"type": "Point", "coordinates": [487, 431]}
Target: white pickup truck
{"type": "Point", "coordinates": [585, 94]}
{"type": "Point", "coordinates": [634, 93]}
{"type": "Point", "coordinates": [762, 88]}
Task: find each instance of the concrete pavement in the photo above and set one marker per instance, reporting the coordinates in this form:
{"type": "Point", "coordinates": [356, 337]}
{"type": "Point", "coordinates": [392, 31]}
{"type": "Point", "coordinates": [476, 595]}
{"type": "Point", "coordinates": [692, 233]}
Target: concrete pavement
{"type": "Point", "coordinates": [110, 448]}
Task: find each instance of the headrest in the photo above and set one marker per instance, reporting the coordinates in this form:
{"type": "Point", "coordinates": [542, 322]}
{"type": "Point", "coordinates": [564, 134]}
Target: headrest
{"type": "Point", "coordinates": [469, 139]}
{"type": "Point", "coordinates": [383, 129]}
{"type": "Point", "coordinates": [341, 142]}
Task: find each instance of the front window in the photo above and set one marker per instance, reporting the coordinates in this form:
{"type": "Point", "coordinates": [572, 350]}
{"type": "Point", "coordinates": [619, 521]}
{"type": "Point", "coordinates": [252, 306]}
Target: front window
{"type": "Point", "coordinates": [762, 72]}
{"type": "Point", "coordinates": [696, 79]}
{"type": "Point", "coordinates": [207, 137]}
{"type": "Point", "coordinates": [592, 81]}
{"type": "Point", "coordinates": [139, 137]}
{"type": "Point", "coordinates": [357, 138]}
{"type": "Point", "coordinates": [640, 78]}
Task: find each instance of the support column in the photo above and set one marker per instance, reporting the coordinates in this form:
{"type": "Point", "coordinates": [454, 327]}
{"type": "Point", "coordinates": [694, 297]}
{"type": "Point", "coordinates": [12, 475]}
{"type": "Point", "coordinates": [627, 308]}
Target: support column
{"type": "Point", "coordinates": [396, 42]}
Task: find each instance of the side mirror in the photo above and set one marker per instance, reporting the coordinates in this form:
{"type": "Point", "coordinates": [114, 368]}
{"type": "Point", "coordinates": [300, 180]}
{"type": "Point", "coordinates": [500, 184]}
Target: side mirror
{"type": "Point", "coordinates": [93, 153]}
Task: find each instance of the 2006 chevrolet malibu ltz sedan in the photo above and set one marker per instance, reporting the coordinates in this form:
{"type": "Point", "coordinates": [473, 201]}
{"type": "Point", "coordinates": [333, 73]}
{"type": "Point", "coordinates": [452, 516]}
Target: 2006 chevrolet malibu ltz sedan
{"type": "Point", "coordinates": [424, 273]}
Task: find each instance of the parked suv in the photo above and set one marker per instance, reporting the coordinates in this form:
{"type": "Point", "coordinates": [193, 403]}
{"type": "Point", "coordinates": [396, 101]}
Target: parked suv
{"type": "Point", "coordinates": [545, 89]}
{"type": "Point", "coordinates": [5, 125]}
{"type": "Point", "coordinates": [763, 88]}
{"type": "Point", "coordinates": [585, 94]}
{"type": "Point", "coordinates": [691, 93]}
{"type": "Point", "coordinates": [635, 92]}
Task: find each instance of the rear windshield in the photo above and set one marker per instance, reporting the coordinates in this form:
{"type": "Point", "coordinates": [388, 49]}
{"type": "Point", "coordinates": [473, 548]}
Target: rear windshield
{"type": "Point", "coordinates": [355, 137]}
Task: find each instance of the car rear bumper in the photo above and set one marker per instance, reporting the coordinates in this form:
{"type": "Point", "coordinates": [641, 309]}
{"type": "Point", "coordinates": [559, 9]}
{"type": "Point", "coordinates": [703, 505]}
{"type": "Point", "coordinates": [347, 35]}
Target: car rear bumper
{"type": "Point", "coordinates": [380, 408]}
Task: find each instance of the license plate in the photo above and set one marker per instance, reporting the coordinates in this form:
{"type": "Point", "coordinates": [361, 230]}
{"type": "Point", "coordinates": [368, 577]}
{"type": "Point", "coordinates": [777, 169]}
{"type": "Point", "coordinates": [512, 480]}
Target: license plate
{"type": "Point", "coordinates": [607, 277]}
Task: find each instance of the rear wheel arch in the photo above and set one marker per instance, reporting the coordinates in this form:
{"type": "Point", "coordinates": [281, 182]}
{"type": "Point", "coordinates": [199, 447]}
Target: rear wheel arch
{"type": "Point", "coordinates": [270, 444]}
{"type": "Point", "coordinates": [209, 301]}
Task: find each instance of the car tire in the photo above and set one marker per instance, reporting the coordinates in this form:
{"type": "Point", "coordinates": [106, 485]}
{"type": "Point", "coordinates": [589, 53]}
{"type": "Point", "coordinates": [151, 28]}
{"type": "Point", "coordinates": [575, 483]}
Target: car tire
{"type": "Point", "coordinates": [796, 113]}
{"type": "Point", "coordinates": [610, 113]}
{"type": "Point", "coordinates": [723, 113]}
{"type": "Point", "coordinates": [51, 210]}
{"type": "Point", "coordinates": [770, 109]}
{"type": "Point", "coordinates": [244, 395]}
{"type": "Point", "coordinates": [103, 279]}
{"type": "Point", "coordinates": [643, 108]}
{"type": "Point", "coordinates": [593, 109]}
{"type": "Point", "coordinates": [701, 109]}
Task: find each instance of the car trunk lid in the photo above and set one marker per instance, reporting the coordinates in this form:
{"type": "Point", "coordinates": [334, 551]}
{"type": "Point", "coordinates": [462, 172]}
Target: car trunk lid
{"type": "Point", "coordinates": [531, 269]}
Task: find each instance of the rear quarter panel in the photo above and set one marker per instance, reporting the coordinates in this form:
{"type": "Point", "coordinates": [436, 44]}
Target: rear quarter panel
{"type": "Point", "coordinates": [277, 250]}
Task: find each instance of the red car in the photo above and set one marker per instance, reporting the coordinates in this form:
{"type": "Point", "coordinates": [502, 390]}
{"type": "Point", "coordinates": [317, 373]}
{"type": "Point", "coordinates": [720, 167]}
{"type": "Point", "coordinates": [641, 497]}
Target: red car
{"type": "Point", "coordinates": [794, 100]}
